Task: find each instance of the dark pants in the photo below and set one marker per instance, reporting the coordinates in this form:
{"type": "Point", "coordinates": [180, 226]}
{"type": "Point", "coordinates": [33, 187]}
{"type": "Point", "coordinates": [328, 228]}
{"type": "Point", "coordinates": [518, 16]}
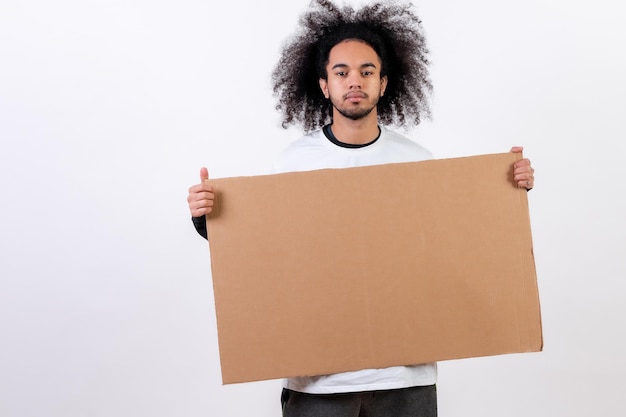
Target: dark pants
{"type": "Point", "coordinates": [405, 402]}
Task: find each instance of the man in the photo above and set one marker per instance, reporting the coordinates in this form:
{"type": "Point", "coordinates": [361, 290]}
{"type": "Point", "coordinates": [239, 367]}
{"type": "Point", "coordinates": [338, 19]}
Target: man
{"type": "Point", "coordinates": [346, 74]}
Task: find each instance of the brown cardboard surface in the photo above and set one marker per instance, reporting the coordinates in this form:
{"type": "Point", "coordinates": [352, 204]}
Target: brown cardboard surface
{"type": "Point", "coordinates": [344, 269]}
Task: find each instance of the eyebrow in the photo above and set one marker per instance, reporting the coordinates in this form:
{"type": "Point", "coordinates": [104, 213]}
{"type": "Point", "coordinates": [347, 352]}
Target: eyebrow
{"type": "Point", "coordinates": [366, 65]}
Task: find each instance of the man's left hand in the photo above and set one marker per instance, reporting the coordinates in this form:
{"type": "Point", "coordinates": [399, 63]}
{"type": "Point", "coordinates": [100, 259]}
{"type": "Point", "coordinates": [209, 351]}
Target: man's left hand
{"type": "Point", "coordinates": [523, 172]}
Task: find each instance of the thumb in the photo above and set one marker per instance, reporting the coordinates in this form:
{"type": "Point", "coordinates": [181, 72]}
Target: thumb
{"type": "Point", "coordinates": [517, 149]}
{"type": "Point", "coordinates": [204, 174]}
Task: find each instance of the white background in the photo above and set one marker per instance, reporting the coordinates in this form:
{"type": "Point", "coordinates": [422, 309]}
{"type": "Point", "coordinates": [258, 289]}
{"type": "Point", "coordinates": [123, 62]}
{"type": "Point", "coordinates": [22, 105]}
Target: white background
{"type": "Point", "coordinates": [109, 108]}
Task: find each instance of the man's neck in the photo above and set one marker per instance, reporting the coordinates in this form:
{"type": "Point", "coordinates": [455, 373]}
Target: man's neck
{"type": "Point", "coordinates": [355, 132]}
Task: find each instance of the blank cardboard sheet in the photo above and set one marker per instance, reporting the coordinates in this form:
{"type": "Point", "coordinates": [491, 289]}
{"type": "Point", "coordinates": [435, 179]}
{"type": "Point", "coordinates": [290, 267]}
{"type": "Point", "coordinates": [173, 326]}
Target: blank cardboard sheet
{"type": "Point", "coordinates": [343, 269]}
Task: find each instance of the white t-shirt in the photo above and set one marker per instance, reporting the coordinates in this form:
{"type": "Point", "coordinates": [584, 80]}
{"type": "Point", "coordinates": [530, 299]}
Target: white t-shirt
{"type": "Point", "coordinates": [316, 151]}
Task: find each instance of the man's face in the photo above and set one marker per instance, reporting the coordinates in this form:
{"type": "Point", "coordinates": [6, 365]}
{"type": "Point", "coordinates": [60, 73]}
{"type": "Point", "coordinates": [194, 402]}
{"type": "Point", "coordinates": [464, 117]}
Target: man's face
{"type": "Point", "coordinates": [353, 83]}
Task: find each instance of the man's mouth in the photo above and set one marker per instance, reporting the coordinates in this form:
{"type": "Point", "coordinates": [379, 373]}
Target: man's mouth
{"type": "Point", "coordinates": [355, 96]}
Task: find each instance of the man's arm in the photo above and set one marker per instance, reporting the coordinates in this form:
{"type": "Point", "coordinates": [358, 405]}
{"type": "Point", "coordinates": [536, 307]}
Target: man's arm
{"type": "Point", "coordinates": [200, 224]}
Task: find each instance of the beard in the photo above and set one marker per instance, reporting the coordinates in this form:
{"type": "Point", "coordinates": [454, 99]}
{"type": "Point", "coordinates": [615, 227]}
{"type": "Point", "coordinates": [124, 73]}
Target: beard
{"type": "Point", "coordinates": [354, 112]}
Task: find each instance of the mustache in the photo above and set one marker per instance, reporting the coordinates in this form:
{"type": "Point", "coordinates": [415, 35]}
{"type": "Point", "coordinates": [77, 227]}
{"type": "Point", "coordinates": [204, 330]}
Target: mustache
{"type": "Point", "coordinates": [355, 94]}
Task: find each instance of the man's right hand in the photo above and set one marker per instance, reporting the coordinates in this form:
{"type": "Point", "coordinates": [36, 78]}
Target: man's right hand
{"type": "Point", "coordinates": [201, 196]}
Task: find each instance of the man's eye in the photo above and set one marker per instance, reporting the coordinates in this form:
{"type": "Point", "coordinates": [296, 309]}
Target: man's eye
{"type": "Point", "coordinates": [367, 73]}
{"type": "Point", "coordinates": [341, 73]}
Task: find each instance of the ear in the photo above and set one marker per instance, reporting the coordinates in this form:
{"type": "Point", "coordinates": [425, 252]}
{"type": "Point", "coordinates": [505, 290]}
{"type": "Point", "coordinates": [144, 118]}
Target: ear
{"type": "Point", "coordinates": [383, 85]}
{"type": "Point", "coordinates": [324, 87]}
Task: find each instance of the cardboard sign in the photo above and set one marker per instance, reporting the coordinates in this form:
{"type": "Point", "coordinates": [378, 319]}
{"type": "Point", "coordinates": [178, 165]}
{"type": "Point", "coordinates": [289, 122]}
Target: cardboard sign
{"type": "Point", "coordinates": [343, 269]}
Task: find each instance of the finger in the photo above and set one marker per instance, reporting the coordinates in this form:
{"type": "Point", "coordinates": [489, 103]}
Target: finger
{"type": "Point", "coordinates": [523, 165]}
{"type": "Point", "coordinates": [526, 184]}
{"type": "Point", "coordinates": [201, 211]}
{"type": "Point", "coordinates": [517, 149]}
{"type": "Point", "coordinates": [200, 188]}
{"type": "Point", "coordinates": [204, 174]}
{"type": "Point", "coordinates": [524, 175]}
{"type": "Point", "coordinates": [195, 197]}
{"type": "Point", "coordinates": [201, 207]}
{"type": "Point", "coordinates": [201, 204]}
{"type": "Point", "coordinates": [525, 180]}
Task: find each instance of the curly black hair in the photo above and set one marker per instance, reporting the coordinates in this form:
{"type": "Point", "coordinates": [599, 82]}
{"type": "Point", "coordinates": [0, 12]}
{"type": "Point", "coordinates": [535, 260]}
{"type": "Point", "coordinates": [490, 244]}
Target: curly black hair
{"type": "Point", "coordinates": [390, 28]}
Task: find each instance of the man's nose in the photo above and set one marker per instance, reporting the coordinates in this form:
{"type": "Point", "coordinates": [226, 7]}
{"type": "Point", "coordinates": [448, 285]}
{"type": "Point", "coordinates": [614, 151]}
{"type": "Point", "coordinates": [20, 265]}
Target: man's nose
{"type": "Point", "coordinates": [355, 80]}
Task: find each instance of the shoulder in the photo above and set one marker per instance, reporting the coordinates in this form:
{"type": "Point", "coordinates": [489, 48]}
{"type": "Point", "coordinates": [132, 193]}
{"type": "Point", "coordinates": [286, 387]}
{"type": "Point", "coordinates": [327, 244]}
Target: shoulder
{"type": "Point", "coordinates": [401, 143]}
{"type": "Point", "coordinates": [307, 142]}
{"type": "Point", "coordinates": [295, 156]}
